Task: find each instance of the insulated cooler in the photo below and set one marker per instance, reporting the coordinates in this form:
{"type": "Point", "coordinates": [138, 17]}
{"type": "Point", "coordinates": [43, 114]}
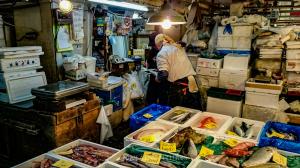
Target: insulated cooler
{"type": "Point", "coordinates": [233, 79]}
{"type": "Point", "coordinates": [224, 101]}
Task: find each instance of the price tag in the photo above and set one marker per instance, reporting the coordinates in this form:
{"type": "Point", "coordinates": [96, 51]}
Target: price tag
{"type": "Point", "coordinates": [148, 138]}
{"type": "Point", "coordinates": [168, 147]}
{"type": "Point", "coordinates": [275, 134]}
{"type": "Point", "coordinates": [231, 142]}
{"type": "Point", "coordinates": [147, 115]}
{"type": "Point", "coordinates": [151, 157]}
{"type": "Point", "coordinates": [205, 152]}
{"type": "Point", "coordinates": [231, 133]}
{"type": "Point", "coordinates": [63, 164]}
{"type": "Point", "coordinates": [278, 158]}
{"type": "Point", "coordinates": [210, 125]}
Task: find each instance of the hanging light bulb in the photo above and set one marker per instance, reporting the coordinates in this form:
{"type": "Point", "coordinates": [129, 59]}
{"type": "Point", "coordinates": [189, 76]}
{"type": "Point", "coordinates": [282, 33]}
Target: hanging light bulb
{"type": "Point", "coordinates": [65, 6]}
{"type": "Point", "coordinates": [166, 24]}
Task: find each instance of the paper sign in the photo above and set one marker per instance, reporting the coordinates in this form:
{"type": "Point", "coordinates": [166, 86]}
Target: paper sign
{"type": "Point", "coordinates": [231, 133]}
{"type": "Point", "coordinates": [278, 158]}
{"type": "Point", "coordinates": [205, 152]}
{"type": "Point", "coordinates": [147, 115]}
{"type": "Point", "coordinates": [148, 138]}
{"type": "Point", "coordinates": [231, 142]}
{"type": "Point", "coordinates": [168, 147]}
{"type": "Point", "coordinates": [151, 157]}
{"type": "Point", "coordinates": [210, 125]}
{"type": "Point", "coordinates": [63, 164]}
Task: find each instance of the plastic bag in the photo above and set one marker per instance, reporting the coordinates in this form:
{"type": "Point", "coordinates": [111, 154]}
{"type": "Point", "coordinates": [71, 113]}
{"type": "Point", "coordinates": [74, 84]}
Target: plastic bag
{"type": "Point", "coordinates": [106, 130]}
{"type": "Point", "coordinates": [134, 85]}
{"type": "Point", "coordinates": [214, 37]}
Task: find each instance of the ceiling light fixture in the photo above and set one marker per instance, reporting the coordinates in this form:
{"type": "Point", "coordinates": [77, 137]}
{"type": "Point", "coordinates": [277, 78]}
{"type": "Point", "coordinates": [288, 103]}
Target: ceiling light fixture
{"type": "Point", "coordinates": [166, 13]}
{"type": "Point", "coordinates": [65, 6]}
{"type": "Point", "coordinates": [122, 4]}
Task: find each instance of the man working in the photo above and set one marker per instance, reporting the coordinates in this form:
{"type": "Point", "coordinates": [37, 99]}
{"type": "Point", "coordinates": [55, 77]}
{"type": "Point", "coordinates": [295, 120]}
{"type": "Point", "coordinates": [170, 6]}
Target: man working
{"type": "Point", "coordinates": [176, 74]}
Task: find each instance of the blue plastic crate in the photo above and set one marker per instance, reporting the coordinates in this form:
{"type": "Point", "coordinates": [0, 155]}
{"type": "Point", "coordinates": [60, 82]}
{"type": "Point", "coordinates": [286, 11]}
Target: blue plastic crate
{"type": "Point", "coordinates": [113, 96]}
{"type": "Point", "coordinates": [137, 120]}
{"type": "Point", "coordinates": [287, 145]}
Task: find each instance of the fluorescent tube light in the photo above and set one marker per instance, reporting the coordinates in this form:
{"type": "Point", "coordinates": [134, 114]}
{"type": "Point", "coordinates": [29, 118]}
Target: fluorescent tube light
{"type": "Point", "coordinates": [122, 4]}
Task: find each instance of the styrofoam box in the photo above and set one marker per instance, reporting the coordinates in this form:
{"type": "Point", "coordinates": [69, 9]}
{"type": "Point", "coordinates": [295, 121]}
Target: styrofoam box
{"type": "Point", "coordinates": [193, 57]}
{"type": "Point", "coordinates": [237, 30]}
{"type": "Point", "coordinates": [260, 113]}
{"type": "Point", "coordinates": [208, 81]}
{"type": "Point", "coordinates": [270, 88]}
{"type": "Point", "coordinates": [223, 106]}
{"type": "Point", "coordinates": [262, 99]}
{"type": "Point", "coordinates": [110, 165]}
{"type": "Point", "coordinates": [293, 65]}
{"type": "Point", "coordinates": [257, 128]}
{"type": "Point", "coordinates": [80, 142]}
{"type": "Point", "coordinates": [163, 118]}
{"type": "Point", "coordinates": [293, 54]}
{"type": "Point", "coordinates": [293, 77]}
{"type": "Point", "coordinates": [119, 154]}
{"type": "Point", "coordinates": [210, 63]}
{"type": "Point", "coordinates": [152, 125]}
{"type": "Point", "coordinates": [222, 121]}
{"type": "Point", "coordinates": [233, 79]}
{"type": "Point", "coordinates": [235, 61]}
{"type": "Point", "coordinates": [207, 71]}
{"type": "Point", "coordinates": [234, 42]}
{"type": "Point", "coordinates": [29, 163]}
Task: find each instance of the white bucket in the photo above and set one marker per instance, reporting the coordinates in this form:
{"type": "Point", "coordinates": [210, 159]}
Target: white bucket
{"type": "Point", "coordinates": [90, 63]}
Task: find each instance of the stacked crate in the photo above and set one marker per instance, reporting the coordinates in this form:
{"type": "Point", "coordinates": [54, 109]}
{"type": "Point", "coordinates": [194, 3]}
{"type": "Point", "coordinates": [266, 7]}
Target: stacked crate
{"type": "Point", "coordinates": [293, 65]}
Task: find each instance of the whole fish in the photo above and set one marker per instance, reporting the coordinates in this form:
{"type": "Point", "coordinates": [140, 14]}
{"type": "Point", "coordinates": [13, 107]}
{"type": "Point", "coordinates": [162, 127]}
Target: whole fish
{"type": "Point", "coordinates": [237, 129]}
{"type": "Point", "coordinates": [244, 126]}
{"type": "Point", "coordinates": [167, 165]}
{"type": "Point", "coordinates": [182, 118]}
{"type": "Point", "coordinates": [122, 163]}
{"type": "Point", "coordinates": [206, 121]}
{"type": "Point", "coordinates": [244, 145]}
{"type": "Point", "coordinates": [187, 133]}
{"type": "Point", "coordinates": [189, 149]}
{"type": "Point", "coordinates": [268, 165]}
{"type": "Point", "coordinates": [224, 160]}
{"type": "Point", "coordinates": [214, 158]}
{"type": "Point", "coordinates": [147, 132]}
{"type": "Point", "coordinates": [233, 162]}
{"type": "Point", "coordinates": [133, 161]}
{"type": "Point", "coordinates": [178, 116]}
{"type": "Point", "coordinates": [237, 152]}
{"type": "Point", "coordinates": [249, 132]}
{"type": "Point", "coordinates": [261, 156]}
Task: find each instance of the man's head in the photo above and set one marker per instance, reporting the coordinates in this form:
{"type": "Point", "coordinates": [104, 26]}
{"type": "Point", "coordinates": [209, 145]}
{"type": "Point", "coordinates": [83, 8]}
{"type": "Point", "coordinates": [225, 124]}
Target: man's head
{"type": "Point", "coordinates": [159, 41]}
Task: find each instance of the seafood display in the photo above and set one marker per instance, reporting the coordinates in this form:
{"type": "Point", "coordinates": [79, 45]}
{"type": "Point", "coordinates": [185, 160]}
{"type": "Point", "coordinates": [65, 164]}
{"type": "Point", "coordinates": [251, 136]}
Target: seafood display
{"type": "Point", "coordinates": [134, 153]}
{"type": "Point", "coordinates": [154, 134]}
{"type": "Point", "coordinates": [45, 163]}
{"type": "Point", "coordinates": [87, 154]}
{"type": "Point", "coordinates": [261, 156]}
{"type": "Point", "coordinates": [243, 130]}
{"type": "Point", "coordinates": [287, 136]}
{"type": "Point", "coordinates": [208, 123]}
{"type": "Point", "coordinates": [180, 116]}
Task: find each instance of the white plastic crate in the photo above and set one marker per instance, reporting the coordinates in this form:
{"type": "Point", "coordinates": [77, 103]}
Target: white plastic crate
{"type": "Point", "coordinates": [233, 79]}
{"type": "Point", "coordinates": [259, 113]}
{"type": "Point", "coordinates": [170, 128]}
{"type": "Point", "coordinates": [293, 54]}
{"type": "Point", "coordinates": [293, 65]}
{"type": "Point", "coordinates": [257, 128]}
{"type": "Point", "coordinates": [210, 63]}
{"type": "Point", "coordinates": [164, 118]}
{"type": "Point", "coordinates": [80, 142]}
{"type": "Point", "coordinates": [262, 99]}
{"type": "Point", "coordinates": [221, 120]}
{"type": "Point", "coordinates": [235, 61]}
{"type": "Point", "coordinates": [225, 107]}
{"type": "Point", "coordinates": [30, 163]}
{"type": "Point", "coordinates": [270, 88]}
{"type": "Point", "coordinates": [207, 71]}
{"type": "Point", "coordinates": [208, 81]}
{"type": "Point", "coordinates": [116, 157]}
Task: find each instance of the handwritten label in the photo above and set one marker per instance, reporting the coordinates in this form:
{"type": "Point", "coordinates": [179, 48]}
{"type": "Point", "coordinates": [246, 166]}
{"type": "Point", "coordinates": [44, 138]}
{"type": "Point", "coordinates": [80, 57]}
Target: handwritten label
{"type": "Point", "coordinates": [210, 125]}
{"type": "Point", "coordinates": [151, 157]}
{"type": "Point", "coordinates": [231, 142]}
{"type": "Point", "coordinates": [231, 133]}
{"type": "Point", "coordinates": [148, 138]}
{"type": "Point", "coordinates": [168, 147]}
{"type": "Point", "coordinates": [147, 115]}
{"type": "Point", "coordinates": [205, 152]}
{"type": "Point", "coordinates": [63, 164]}
{"type": "Point", "coordinates": [278, 158]}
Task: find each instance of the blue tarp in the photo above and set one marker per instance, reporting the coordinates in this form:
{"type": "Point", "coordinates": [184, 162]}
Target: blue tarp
{"type": "Point", "coordinates": [287, 145]}
{"type": "Point", "coordinates": [137, 120]}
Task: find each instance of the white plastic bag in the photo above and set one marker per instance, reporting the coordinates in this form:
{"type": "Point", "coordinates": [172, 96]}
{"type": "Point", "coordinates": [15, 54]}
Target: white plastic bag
{"type": "Point", "coordinates": [106, 130]}
{"type": "Point", "coordinates": [134, 85]}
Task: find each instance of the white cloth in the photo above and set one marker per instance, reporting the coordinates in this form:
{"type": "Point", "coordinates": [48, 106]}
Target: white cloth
{"type": "Point", "coordinates": [174, 60]}
{"type": "Point", "coordinates": [106, 130]}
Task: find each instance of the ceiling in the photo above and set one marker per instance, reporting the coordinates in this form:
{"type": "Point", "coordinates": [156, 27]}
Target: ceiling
{"type": "Point", "coordinates": [17, 3]}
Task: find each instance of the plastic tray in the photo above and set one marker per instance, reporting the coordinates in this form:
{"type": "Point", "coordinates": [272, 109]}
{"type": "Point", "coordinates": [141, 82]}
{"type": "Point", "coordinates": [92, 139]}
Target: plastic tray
{"type": "Point", "coordinates": [222, 121]}
{"type": "Point", "coordinates": [76, 143]}
{"type": "Point", "coordinates": [152, 125]}
{"type": "Point", "coordinates": [29, 163]}
{"type": "Point", "coordinates": [137, 120]}
{"type": "Point", "coordinates": [287, 145]}
{"type": "Point", "coordinates": [257, 126]}
{"type": "Point", "coordinates": [168, 114]}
